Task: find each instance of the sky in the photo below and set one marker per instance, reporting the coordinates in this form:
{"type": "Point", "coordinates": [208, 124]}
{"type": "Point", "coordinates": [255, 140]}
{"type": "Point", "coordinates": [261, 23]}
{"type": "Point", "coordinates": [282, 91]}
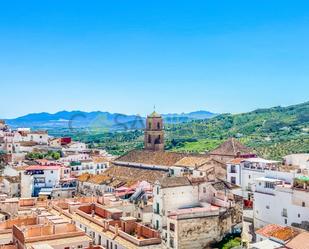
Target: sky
{"type": "Point", "coordinates": [127, 56]}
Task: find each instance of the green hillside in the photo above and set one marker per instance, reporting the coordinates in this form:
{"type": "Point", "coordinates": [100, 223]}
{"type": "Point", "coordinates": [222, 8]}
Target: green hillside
{"type": "Point", "coordinates": [272, 132]}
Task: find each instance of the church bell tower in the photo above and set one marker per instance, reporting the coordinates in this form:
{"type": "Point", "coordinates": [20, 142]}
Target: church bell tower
{"type": "Point", "coordinates": [154, 134]}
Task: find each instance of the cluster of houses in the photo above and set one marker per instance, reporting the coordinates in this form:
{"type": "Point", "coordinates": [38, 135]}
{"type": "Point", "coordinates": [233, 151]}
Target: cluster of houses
{"type": "Point", "coordinates": [148, 198]}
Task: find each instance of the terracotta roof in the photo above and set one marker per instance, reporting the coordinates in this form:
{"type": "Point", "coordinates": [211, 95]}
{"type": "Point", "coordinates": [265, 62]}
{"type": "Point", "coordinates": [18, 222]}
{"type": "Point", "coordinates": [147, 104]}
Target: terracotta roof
{"type": "Point", "coordinates": [131, 175]}
{"type": "Point", "coordinates": [278, 232]}
{"type": "Point", "coordinates": [83, 177]}
{"type": "Point", "coordinates": [222, 185]}
{"type": "Point", "coordinates": [42, 167]}
{"type": "Point", "coordinates": [301, 241]}
{"type": "Point", "coordinates": [268, 229]}
{"type": "Point", "coordinates": [100, 159]}
{"type": "Point", "coordinates": [99, 179]}
{"type": "Point", "coordinates": [236, 160]}
{"type": "Point", "coordinates": [192, 161]}
{"type": "Point", "coordinates": [28, 143]}
{"type": "Point", "coordinates": [231, 147]}
{"type": "Point", "coordinates": [173, 181]}
{"type": "Point", "coordinates": [152, 157]}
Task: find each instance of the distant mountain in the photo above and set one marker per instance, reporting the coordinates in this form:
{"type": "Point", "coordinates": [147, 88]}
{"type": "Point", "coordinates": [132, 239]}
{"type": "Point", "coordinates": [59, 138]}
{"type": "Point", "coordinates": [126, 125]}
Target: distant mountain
{"type": "Point", "coordinates": [97, 119]}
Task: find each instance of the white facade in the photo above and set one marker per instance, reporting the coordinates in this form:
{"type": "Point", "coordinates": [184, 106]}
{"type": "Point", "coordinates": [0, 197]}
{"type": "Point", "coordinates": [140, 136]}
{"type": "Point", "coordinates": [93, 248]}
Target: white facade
{"type": "Point", "coordinates": [244, 172]}
{"type": "Point", "coordinates": [167, 199]}
{"type": "Point", "coordinates": [88, 166]}
{"type": "Point", "coordinates": [279, 203]}
{"type": "Point", "coordinates": [301, 160]}
{"type": "Point", "coordinates": [74, 157]}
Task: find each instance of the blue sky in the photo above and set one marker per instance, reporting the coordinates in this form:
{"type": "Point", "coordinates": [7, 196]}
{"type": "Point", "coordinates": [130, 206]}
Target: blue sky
{"type": "Point", "coordinates": [126, 56]}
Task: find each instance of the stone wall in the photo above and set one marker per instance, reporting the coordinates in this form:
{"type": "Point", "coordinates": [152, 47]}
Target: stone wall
{"type": "Point", "coordinates": [197, 233]}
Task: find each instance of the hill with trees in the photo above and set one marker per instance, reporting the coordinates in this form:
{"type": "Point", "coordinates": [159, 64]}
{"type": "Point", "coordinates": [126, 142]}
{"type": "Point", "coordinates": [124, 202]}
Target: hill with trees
{"type": "Point", "coordinates": [272, 132]}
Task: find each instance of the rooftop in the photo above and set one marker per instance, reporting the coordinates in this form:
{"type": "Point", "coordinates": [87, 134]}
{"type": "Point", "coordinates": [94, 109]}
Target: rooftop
{"type": "Point", "coordinates": [231, 147]}
{"type": "Point", "coordinates": [161, 158]}
{"type": "Point", "coordinates": [43, 167]}
{"type": "Point", "coordinates": [173, 181]}
{"type": "Point", "coordinates": [301, 241]}
{"type": "Point", "coordinates": [278, 232]}
{"type": "Point", "coordinates": [192, 161]}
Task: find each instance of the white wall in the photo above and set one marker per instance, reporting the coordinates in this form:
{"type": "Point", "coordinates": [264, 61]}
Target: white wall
{"type": "Point", "coordinates": [268, 208]}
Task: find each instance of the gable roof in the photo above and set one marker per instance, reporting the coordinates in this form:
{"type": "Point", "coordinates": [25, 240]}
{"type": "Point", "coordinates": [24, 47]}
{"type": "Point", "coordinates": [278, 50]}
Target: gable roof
{"type": "Point", "coordinates": [192, 161]}
{"type": "Point", "coordinates": [231, 147]}
{"type": "Point", "coordinates": [131, 175]}
{"type": "Point", "coordinates": [173, 181]}
{"type": "Point", "coordinates": [222, 185]}
{"type": "Point", "coordinates": [161, 158]}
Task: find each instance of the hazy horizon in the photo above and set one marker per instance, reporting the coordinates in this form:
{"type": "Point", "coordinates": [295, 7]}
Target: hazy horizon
{"type": "Point", "coordinates": [145, 114]}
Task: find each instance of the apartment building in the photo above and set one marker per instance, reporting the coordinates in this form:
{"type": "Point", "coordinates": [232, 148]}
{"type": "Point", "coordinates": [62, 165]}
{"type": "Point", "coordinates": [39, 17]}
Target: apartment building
{"type": "Point", "coordinates": [280, 203]}
{"type": "Point", "coordinates": [244, 172]}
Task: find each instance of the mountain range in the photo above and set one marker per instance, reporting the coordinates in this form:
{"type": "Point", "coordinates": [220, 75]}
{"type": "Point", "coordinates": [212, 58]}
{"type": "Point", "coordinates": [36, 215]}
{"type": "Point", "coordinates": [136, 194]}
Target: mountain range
{"type": "Point", "coordinates": [97, 119]}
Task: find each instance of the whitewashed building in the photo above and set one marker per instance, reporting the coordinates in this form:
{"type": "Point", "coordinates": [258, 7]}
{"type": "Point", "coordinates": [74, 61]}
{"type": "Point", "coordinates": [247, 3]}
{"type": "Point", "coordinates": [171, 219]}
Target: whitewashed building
{"type": "Point", "coordinates": [244, 172]}
{"type": "Point", "coordinates": [276, 202]}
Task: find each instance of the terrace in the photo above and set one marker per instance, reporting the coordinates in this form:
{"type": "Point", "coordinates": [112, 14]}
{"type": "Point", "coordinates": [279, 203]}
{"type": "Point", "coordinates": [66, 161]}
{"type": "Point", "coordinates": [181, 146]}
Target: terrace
{"type": "Point", "coordinates": [260, 164]}
{"type": "Point", "coordinates": [42, 232]}
{"type": "Point", "coordinates": [301, 183]}
{"type": "Point", "coordinates": [110, 219]}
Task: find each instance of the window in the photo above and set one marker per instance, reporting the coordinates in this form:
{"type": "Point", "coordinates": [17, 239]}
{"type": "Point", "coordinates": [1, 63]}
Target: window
{"type": "Point", "coordinates": [52, 172]}
{"type": "Point", "coordinates": [284, 212]}
{"type": "Point", "coordinates": [80, 246]}
{"type": "Point", "coordinates": [233, 169]}
{"type": "Point", "coordinates": [157, 211]}
{"type": "Point", "coordinates": [157, 224]}
{"type": "Point", "coordinates": [158, 190]}
{"type": "Point", "coordinates": [204, 190]}
{"type": "Point", "coordinates": [171, 242]}
{"type": "Point", "coordinates": [158, 125]}
{"type": "Point", "coordinates": [298, 215]}
{"type": "Point", "coordinates": [303, 204]}
{"type": "Point", "coordinates": [172, 227]}
{"type": "Point", "coordinates": [269, 185]}
{"type": "Point", "coordinates": [233, 179]}
{"type": "Point", "coordinates": [267, 207]}
{"type": "Point", "coordinates": [285, 221]}
{"type": "Point", "coordinates": [149, 139]}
